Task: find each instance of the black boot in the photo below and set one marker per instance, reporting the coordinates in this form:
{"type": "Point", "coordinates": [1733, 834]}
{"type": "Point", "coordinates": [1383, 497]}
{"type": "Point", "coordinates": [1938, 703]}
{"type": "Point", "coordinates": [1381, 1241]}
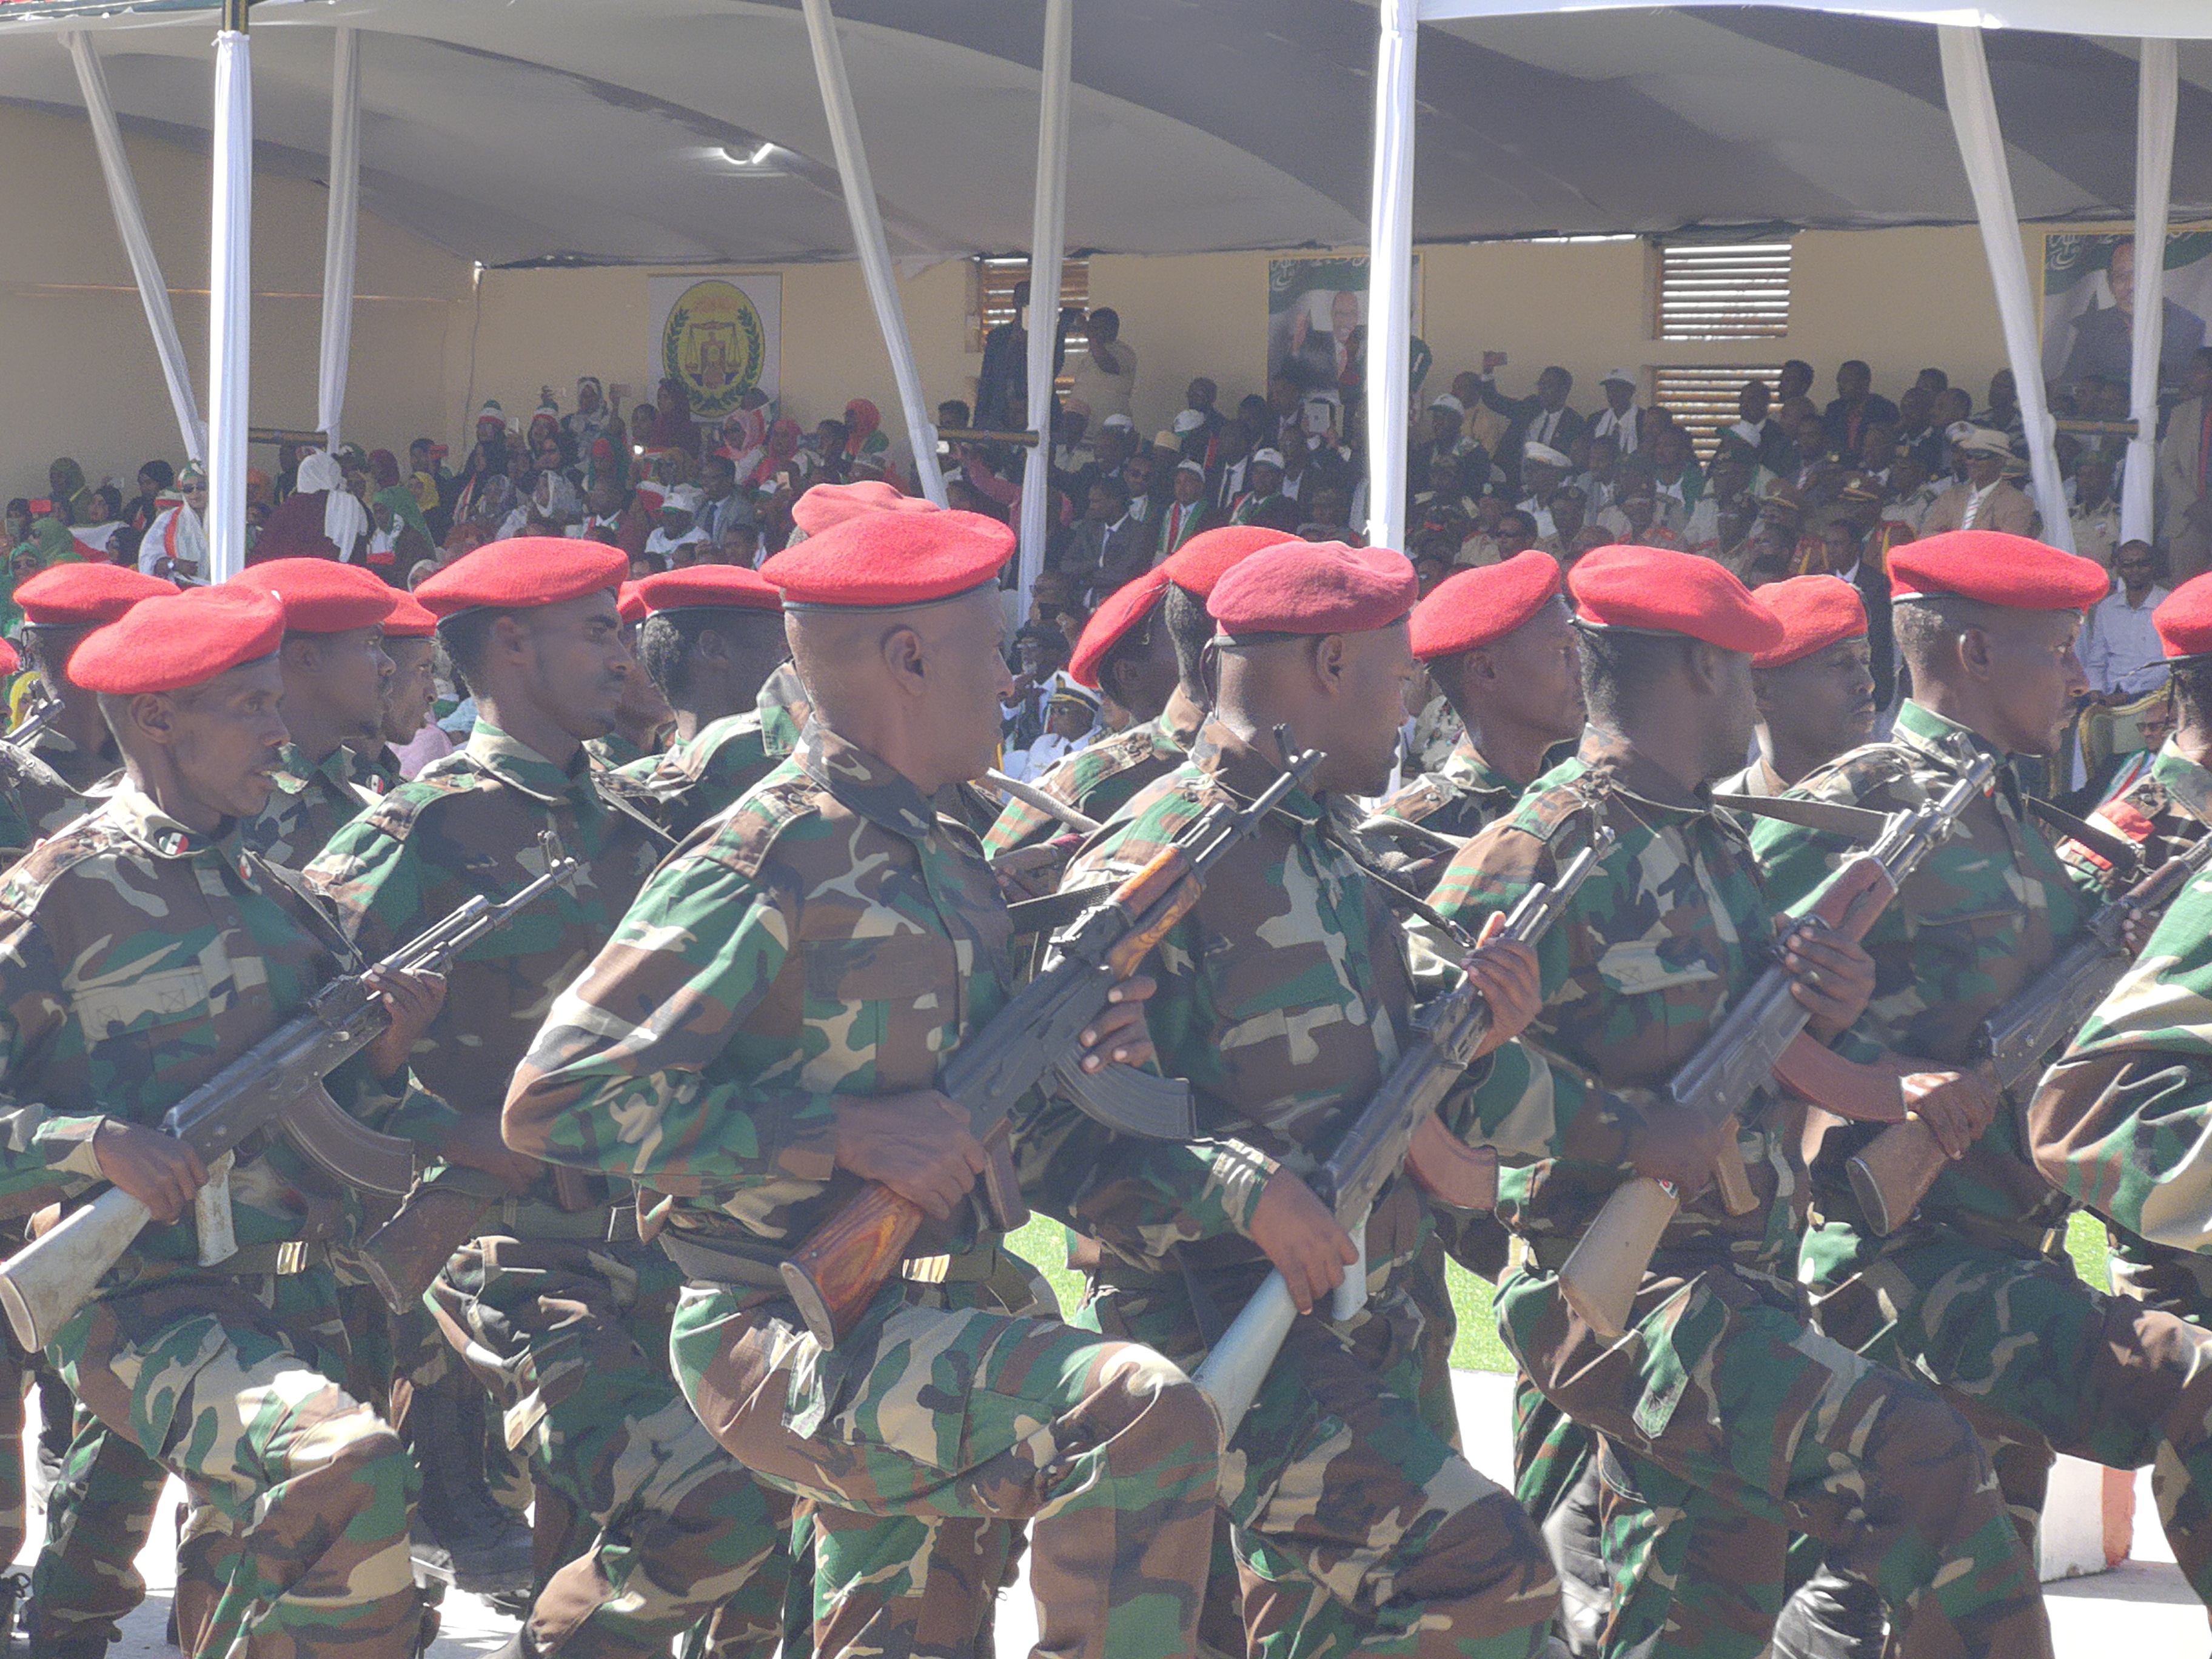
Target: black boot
{"type": "Point", "coordinates": [484, 1550]}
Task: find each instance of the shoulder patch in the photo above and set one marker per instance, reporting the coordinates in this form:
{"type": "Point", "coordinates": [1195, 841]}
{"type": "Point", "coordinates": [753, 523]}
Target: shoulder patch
{"type": "Point", "coordinates": [29, 879]}
{"type": "Point", "coordinates": [741, 837]}
{"type": "Point", "coordinates": [397, 813]}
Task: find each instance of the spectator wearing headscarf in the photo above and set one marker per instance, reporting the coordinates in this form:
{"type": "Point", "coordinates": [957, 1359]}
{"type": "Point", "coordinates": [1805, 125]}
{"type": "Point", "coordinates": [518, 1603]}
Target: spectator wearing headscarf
{"type": "Point", "coordinates": [65, 482]}
{"type": "Point", "coordinates": [398, 534]}
{"type": "Point", "coordinates": [321, 510]}
{"type": "Point", "coordinates": [175, 545]}
{"type": "Point", "coordinates": [673, 426]}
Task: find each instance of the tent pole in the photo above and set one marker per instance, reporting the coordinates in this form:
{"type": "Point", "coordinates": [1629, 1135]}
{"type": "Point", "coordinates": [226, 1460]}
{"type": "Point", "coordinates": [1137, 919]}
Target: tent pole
{"type": "Point", "coordinates": [138, 244]}
{"type": "Point", "coordinates": [1981, 149]}
{"type": "Point", "coordinates": [868, 237]}
{"type": "Point", "coordinates": [2156, 104]}
{"type": "Point", "coordinates": [1390, 273]}
{"type": "Point", "coordinates": [1047, 234]}
{"type": "Point", "coordinates": [341, 231]}
{"type": "Point", "coordinates": [230, 273]}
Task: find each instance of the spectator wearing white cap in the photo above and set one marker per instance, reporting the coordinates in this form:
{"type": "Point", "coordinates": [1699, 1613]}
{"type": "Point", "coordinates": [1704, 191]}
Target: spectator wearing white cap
{"type": "Point", "coordinates": [1187, 511]}
{"type": "Point", "coordinates": [1071, 723]}
{"type": "Point", "coordinates": [1543, 470]}
{"type": "Point", "coordinates": [1447, 440]}
{"type": "Point", "coordinates": [678, 526]}
{"type": "Point", "coordinates": [1264, 486]}
{"type": "Point", "coordinates": [1985, 501]}
{"type": "Point", "coordinates": [1619, 420]}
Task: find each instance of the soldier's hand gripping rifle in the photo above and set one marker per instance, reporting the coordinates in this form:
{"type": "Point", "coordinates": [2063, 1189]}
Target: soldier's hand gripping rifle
{"type": "Point", "coordinates": [1601, 1278]}
{"type": "Point", "coordinates": [278, 1083]}
{"type": "Point", "coordinates": [1374, 1149]}
{"type": "Point", "coordinates": [1895, 1172]}
{"type": "Point", "coordinates": [836, 1273]}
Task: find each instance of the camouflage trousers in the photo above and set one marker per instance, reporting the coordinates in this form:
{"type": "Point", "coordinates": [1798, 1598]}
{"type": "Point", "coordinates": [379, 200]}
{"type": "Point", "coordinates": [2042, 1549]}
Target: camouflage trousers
{"type": "Point", "coordinates": [298, 1540]}
{"type": "Point", "coordinates": [1360, 1528]}
{"type": "Point", "coordinates": [571, 1339]}
{"type": "Point", "coordinates": [98, 1516]}
{"type": "Point", "coordinates": [930, 1432]}
{"type": "Point", "coordinates": [1555, 1478]}
{"type": "Point", "coordinates": [2040, 1362]}
{"type": "Point", "coordinates": [1726, 1424]}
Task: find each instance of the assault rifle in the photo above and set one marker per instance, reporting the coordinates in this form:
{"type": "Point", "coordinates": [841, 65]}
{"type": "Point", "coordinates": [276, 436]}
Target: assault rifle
{"type": "Point", "coordinates": [278, 1083]}
{"type": "Point", "coordinates": [836, 1273]}
{"type": "Point", "coordinates": [1374, 1149]}
{"type": "Point", "coordinates": [1895, 1172]}
{"type": "Point", "coordinates": [1601, 1278]}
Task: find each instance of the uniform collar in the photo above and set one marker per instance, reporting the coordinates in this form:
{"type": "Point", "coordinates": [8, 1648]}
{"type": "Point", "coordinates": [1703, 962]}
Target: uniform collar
{"type": "Point", "coordinates": [870, 786]}
{"type": "Point", "coordinates": [1921, 727]}
{"type": "Point", "coordinates": [295, 771]}
{"type": "Point", "coordinates": [1466, 767]}
{"type": "Point", "coordinates": [1627, 770]}
{"type": "Point", "coordinates": [520, 767]}
{"type": "Point", "coordinates": [1179, 722]}
{"type": "Point", "coordinates": [1244, 772]}
{"type": "Point", "coordinates": [133, 811]}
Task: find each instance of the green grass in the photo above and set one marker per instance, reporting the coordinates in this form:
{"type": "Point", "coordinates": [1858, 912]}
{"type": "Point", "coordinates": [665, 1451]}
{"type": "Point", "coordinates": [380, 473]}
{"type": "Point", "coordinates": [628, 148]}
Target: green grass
{"type": "Point", "coordinates": [1478, 1349]}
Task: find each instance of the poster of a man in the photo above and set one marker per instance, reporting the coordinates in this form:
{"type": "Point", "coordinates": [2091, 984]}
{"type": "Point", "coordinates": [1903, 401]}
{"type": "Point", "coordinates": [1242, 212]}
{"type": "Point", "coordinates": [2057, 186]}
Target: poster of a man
{"type": "Point", "coordinates": [2090, 303]}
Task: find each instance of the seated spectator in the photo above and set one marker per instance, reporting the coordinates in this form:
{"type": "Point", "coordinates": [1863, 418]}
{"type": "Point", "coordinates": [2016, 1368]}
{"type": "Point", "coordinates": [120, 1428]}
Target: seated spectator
{"type": "Point", "coordinates": [2120, 650]}
{"type": "Point", "coordinates": [1071, 724]}
{"type": "Point", "coordinates": [678, 528]}
{"type": "Point", "coordinates": [1187, 513]}
{"type": "Point", "coordinates": [2094, 510]}
{"type": "Point", "coordinates": [1985, 501]}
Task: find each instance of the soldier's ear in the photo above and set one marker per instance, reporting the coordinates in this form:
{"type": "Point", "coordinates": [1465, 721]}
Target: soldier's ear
{"type": "Point", "coordinates": [1330, 653]}
{"type": "Point", "coordinates": [1972, 646]}
{"type": "Point", "coordinates": [905, 656]}
{"type": "Point", "coordinates": [152, 715]}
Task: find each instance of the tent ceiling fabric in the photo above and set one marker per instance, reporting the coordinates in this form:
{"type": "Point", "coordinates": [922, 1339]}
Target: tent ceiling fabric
{"type": "Point", "coordinates": [513, 132]}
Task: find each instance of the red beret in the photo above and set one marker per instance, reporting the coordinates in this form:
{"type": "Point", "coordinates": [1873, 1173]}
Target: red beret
{"type": "Point", "coordinates": [1483, 605]}
{"type": "Point", "coordinates": [1121, 611]}
{"type": "Point", "coordinates": [1665, 592]}
{"type": "Point", "coordinates": [71, 595]}
{"type": "Point", "coordinates": [829, 504]}
{"type": "Point", "coordinates": [1314, 587]}
{"type": "Point", "coordinates": [10, 658]}
{"type": "Point", "coordinates": [630, 603]}
{"type": "Point", "coordinates": [2185, 620]}
{"type": "Point", "coordinates": [1200, 563]}
{"type": "Point", "coordinates": [409, 620]}
{"type": "Point", "coordinates": [890, 560]}
{"type": "Point", "coordinates": [523, 573]}
{"type": "Point", "coordinates": [1815, 612]}
{"type": "Point", "coordinates": [176, 640]}
{"type": "Point", "coordinates": [319, 597]}
{"type": "Point", "coordinates": [721, 587]}
{"type": "Point", "coordinates": [1997, 569]}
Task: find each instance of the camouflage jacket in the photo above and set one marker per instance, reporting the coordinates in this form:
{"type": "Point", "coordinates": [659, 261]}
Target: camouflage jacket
{"type": "Point", "coordinates": [832, 936]}
{"type": "Point", "coordinates": [698, 777]}
{"type": "Point", "coordinates": [1285, 997]}
{"type": "Point", "coordinates": [138, 959]}
{"type": "Point", "coordinates": [1668, 932]}
{"type": "Point", "coordinates": [1096, 781]}
{"type": "Point", "coordinates": [2163, 814]}
{"type": "Point", "coordinates": [1982, 914]}
{"type": "Point", "coordinates": [614, 751]}
{"type": "Point", "coordinates": [1461, 797]}
{"type": "Point", "coordinates": [784, 710]}
{"type": "Point", "coordinates": [48, 782]}
{"type": "Point", "coordinates": [378, 771]}
{"type": "Point", "coordinates": [308, 805]}
{"type": "Point", "coordinates": [470, 824]}
{"type": "Point", "coordinates": [2120, 1124]}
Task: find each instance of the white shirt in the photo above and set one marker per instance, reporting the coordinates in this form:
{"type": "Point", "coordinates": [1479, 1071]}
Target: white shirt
{"type": "Point", "coordinates": [2122, 651]}
{"type": "Point", "coordinates": [1621, 428]}
{"type": "Point", "coordinates": [660, 542]}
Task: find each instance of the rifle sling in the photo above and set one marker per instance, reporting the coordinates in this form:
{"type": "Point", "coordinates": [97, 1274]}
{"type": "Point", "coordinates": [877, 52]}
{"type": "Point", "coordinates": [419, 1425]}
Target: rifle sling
{"type": "Point", "coordinates": [1858, 823]}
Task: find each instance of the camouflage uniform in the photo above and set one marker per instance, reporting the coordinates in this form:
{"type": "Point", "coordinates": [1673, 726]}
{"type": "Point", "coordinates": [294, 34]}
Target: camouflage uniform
{"type": "Point", "coordinates": [1976, 1294]}
{"type": "Point", "coordinates": [1459, 798]}
{"type": "Point", "coordinates": [614, 751]}
{"type": "Point", "coordinates": [1726, 1422]}
{"type": "Point", "coordinates": [141, 958]}
{"type": "Point", "coordinates": [310, 801]}
{"type": "Point", "coordinates": [700, 776]}
{"type": "Point", "coordinates": [562, 1325]}
{"type": "Point", "coordinates": [1285, 997]}
{"type": "Point", "coordinates": [2163, 815]}
{"type": "Point", "coordinates": [834, 936]}
{"type": "Point", "coordinates": [1096, 781]}
{"type": "Point", "coordinates": [48, 782]}
{"type": "Point", "coordinates": [784, 709]}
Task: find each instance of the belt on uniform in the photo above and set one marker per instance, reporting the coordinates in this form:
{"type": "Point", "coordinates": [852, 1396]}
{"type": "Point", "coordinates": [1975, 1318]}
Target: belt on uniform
{"type": "Point", "coordinates": [700, 1258]}
{"type": "Point", "coordinates": [279, 1260]}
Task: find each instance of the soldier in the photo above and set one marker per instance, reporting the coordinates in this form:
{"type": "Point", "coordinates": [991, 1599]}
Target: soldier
{"type": "Point", "coordinates": [1670, 930]}
{"type": "Point", "coordinates": [558, 1308]}
{"type": "Point", "coordinates": [1977, 1293]}
{"type": "Point", "coordinates": [335, 678]}
{"type": "Point", "coordinates": [2166, 812]}
{"type": "Point", "coordinates": [147, 948]}
{"type": "Point", "coordinates": [1099, 779]}
{"type": "Point", "coordinates": [46, 778]}
{"type": "Point", "coordinates": [1499, 643]}
{"type": "Point", "coordinates": [1815, 691]}
{"type": "Point", "coordinates": [1286, 998]}
{"type": "Point", "coordinates": [642, 718]}
{"type": "Point", "coordinates": [760, 1037]}
{"type": "Point", "coordinates": [711, 635]}
{"type": "Point", "coordinates": [2116, 1126]}
{"type": "Point", "coordinates": [409, 694]}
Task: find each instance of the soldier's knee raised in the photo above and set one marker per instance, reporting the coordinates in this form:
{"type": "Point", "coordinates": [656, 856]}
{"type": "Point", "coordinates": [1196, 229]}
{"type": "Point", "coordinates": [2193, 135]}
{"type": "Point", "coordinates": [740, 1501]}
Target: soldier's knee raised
{"type": "Point", "coordinates": [360, 1444]}
{"type": "Point", "coordinates": [1928, 1457]}
{"type": "Point", "coordinates": [1143, 1393]}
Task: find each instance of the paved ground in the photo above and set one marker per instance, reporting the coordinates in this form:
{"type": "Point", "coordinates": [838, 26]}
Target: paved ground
{"type": "Point", "coordinates": [2143, 1610]}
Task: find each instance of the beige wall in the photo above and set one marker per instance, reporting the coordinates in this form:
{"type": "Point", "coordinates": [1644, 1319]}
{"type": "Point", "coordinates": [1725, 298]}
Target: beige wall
{"type": "Point", "coordinates": [79, 363]}
{"type": "Point", "coordinates": [427, 350]}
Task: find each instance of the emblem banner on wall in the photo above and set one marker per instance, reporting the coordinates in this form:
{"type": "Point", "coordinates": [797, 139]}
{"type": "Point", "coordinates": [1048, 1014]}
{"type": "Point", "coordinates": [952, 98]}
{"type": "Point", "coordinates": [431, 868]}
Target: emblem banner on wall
{"type": "Point", "coordinates": [721, 336]}
{"type": "Point", "coordinates": [1317, 325]}
{"type": "Point", "coordinates": [2089, 302]}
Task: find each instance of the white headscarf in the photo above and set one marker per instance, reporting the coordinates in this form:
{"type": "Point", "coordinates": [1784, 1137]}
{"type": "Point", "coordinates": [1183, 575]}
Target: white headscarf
{"type": "Point", "coordinates": [345, 521]}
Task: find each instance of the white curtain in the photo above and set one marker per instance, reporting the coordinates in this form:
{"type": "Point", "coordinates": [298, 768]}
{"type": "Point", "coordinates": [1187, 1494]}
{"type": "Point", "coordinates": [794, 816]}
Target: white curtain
{"type": "Point", "coordinates": [1047, 232]}
{"type": "Point", "coordinates": [1389, 273]}
{"type": "Point", "coordinates": [340, 232]}
{"type": "Point", "coordinates": [2156, 102]}
{"type": "Point", "coordinates": [230, 259]}
{"type": "Point", "coordinates": [131, 226]}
